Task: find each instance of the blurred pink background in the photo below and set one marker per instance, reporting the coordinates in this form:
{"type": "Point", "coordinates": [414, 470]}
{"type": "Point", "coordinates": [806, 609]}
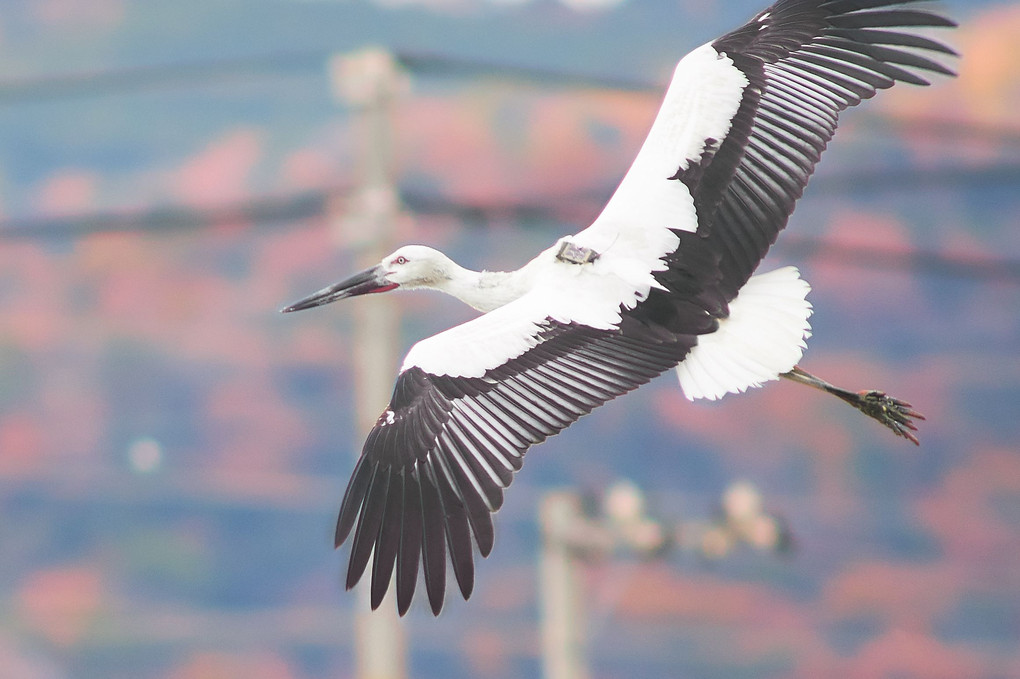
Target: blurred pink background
{"type": "Point", "coordinates": [173, 450]}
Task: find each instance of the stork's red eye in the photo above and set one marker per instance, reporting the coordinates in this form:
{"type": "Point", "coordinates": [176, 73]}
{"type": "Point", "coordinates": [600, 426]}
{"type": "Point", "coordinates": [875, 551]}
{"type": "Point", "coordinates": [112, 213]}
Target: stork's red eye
{"type": "Point", "coordinates": [400, 260]}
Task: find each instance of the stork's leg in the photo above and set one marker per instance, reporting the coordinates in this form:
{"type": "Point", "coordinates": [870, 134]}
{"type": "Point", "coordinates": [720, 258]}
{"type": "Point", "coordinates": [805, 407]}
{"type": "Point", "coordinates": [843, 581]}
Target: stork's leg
{"type": "Point", "coordinates": [891, 412]}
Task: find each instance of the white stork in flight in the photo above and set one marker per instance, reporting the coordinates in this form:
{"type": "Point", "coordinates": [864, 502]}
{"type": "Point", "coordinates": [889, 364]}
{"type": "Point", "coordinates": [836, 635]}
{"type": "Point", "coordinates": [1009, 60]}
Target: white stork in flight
{"type": "Point", "coordinates": [662, 279]}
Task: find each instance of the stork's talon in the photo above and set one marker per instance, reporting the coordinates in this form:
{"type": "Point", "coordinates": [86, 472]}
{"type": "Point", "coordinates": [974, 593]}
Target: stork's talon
{"type": "Point", "coordinates": [891, 412]}
{"type": "Point", "coordinates": [896, 414]}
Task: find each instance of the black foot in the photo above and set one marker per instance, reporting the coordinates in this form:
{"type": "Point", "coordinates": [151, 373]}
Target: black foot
{"type": "Point", "coordinates": [891, 412]}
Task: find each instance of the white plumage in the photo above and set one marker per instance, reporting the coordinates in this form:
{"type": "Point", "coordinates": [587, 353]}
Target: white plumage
{"type": "Point", "coordinates": [662, 279]}
{"type": "Point", "coordinates": [763, 337]}
{"type": "Point", "coordinates": [699, 105]}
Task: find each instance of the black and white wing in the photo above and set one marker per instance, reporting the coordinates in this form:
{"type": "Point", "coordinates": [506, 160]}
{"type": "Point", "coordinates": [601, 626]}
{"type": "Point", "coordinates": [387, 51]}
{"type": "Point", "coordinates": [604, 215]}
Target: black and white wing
{"type": "Point", "coordinates": [741, 127]}
{"type": "Point", "coordinates": [805, 62]}
{"type": "Point", "coordinates": [746, 119]}
{"type": "Point", "coordinates": [433, 469]}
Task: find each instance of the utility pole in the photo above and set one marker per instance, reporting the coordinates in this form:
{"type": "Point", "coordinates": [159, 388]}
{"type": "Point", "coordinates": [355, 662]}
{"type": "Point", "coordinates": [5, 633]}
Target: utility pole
{"type": "Point", "coordinates": [369, 82]}
{"type": "Point", "coordinates": [564, 529]}
{"type": "Point", "coordinates": [572, 537]}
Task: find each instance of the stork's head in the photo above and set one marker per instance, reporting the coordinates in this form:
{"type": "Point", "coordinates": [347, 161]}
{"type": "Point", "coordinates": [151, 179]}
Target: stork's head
{"type": "Point", "coordinates": [412, 266]}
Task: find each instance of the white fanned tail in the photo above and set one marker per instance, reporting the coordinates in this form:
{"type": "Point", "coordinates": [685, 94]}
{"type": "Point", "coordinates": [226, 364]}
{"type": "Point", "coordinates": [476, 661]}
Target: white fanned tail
{"type": "Point", "coordinates": [763, 337]}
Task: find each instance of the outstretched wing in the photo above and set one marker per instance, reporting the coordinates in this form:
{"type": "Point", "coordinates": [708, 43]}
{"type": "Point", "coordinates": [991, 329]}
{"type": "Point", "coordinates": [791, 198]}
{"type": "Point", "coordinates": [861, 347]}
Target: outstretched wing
{"type": "Point", "coordinates": [805, 62]}
{"type": "Point", "coordinates": [434, 467]}
{"type": "Point", "coordinates": [747, 117]}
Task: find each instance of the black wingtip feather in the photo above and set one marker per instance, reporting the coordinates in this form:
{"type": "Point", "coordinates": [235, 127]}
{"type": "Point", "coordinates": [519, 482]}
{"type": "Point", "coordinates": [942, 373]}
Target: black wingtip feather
{"type": "Point", "coordinates": [387, 540]}
{"type": "Point", "coordinates": [354, 497]}
{"type": "Point", "coordinates": [481, 527]}
{"type": "Point", "coordinates": [433, 543]}
{"type": "Point", "coordinates": [478, 513]}
{"type": "Point", "coordinates": [896, 18]}
{"type": "Point", "coordinates": [410, 544]}
{"type": "Point", "coordinates": [866, 36]}
{"type": "Point", "coordinates": [889, 55]}
{"type": "Point", "coordinates": [458, 539]}
{"type": "Point", "coordinates": [368, 525]}
{"type": "Point", "coordinates": [845, 6]}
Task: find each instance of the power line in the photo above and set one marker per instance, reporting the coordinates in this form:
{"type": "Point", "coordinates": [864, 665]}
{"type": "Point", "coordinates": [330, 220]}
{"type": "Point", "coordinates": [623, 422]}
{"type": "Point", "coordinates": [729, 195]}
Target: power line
{"type": "Point", "coordinates": [578, 207]}
{"type": "Point", "coordinates": [998, 269]}
{"type": "Point", "coordinates": [205, 72]}
{"type": "Point", "coordinates": [196, 73]}
{"type": "Point", "coordinates": [1003, 174]}
{"type": "Point", "coordinates": [315, 203]}
{"type": "Point", "coordinates": [433, 64]}
{"type": "Point", "coordinates": [982, 268]}
{"type": "Point", "coordinates": [217, 71]}
{"type": "Point", "coordinates": [944, 130]}
{"type": "Point", "coordinates": [156, 76]}
{"type": "Point", "coordinates": [262, 210]}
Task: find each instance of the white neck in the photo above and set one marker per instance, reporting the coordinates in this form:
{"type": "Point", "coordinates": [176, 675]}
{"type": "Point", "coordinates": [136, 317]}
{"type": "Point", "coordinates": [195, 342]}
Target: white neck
{"type": "Point", "coordinates": [483, 290]}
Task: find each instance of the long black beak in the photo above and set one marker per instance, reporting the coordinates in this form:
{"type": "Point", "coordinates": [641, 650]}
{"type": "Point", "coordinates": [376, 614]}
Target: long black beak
{"type": "Point", "coordinates": [364, 283]}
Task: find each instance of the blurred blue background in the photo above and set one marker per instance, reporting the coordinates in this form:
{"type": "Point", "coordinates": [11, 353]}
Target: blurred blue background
{"type": "Point", "coordinates": [173, 450]}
